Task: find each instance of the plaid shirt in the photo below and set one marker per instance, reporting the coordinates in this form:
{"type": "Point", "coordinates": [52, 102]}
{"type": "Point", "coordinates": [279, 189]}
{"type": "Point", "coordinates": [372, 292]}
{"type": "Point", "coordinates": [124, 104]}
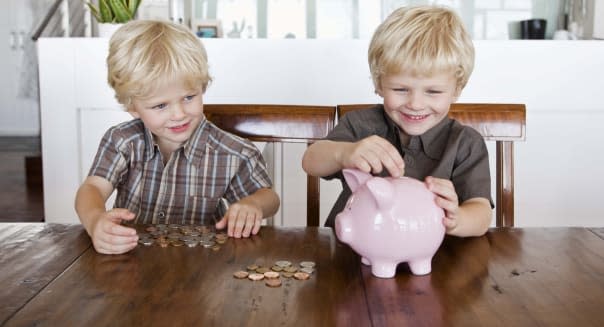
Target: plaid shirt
{"type": "Point", "coordinates": [186, 190]}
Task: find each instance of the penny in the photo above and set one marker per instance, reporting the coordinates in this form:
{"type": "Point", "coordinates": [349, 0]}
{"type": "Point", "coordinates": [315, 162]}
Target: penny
{"type": "Point", "coordinates": [177, 243]}
{"type": "Point", "coordinates": [255, 276]}
{"type": "Point", "coordinates": [151, 229]}
{"type": "Point", "coordinates": [240, 274]}
{"type": "Point", "coordinates": [307, 264]}
{"type": "Point", "coordinates": [276, 268]}
{"type": "Point", "coordinates": [301, 275]}
{"type": "Point", "coordinates": [273, 282]}
{"type": "Point", "coordinates": [216, 248]}
{"type": "Point", "coordinates": [271, 274]}
{"type": "Point", "coordinates": [261, 270]}
{"type": "Point", "coordinates": [287, 274]}
{"type": "Point", "coordinates": [220, 241]}
{"type": "Point", "coordinates": [290, 269]}
{"type": "Point", "coordinates": [252, 267]}
{"type": "Point", "coordinates": [164, 244]}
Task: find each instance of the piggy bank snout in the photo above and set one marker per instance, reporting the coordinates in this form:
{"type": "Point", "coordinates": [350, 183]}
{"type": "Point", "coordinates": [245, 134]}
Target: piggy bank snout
{"type": "Point", "coordinates": [343, 228]}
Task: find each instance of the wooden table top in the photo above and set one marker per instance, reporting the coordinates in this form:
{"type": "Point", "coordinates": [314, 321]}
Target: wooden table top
{"type": "Point", "coordinates": [51, 276]}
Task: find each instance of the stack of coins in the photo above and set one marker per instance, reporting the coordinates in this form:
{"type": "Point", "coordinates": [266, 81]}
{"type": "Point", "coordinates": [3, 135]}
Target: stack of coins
{"type": "Point", "coordinates": [281, 268]}
{"type": "Point", "coordinates": [178, 235]}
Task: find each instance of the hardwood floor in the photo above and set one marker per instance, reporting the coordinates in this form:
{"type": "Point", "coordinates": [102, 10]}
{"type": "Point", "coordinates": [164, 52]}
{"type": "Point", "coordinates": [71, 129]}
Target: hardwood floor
{"type": "Point", "coordinates": [21, 196]}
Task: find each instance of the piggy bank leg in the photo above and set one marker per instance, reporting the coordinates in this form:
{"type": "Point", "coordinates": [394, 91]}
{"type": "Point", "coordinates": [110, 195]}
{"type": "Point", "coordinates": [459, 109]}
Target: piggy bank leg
{"type": "Point", "coordinates": [421, 266]}
{"type": "Point", "coordinates": [383, 269]}
{"type": "Point", "coordinates": [365, 261]}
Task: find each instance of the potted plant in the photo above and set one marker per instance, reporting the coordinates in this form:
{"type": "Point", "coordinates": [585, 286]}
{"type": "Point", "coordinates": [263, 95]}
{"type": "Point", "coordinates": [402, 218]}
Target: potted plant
{"type": "Point", "coordinates": [110, 14]}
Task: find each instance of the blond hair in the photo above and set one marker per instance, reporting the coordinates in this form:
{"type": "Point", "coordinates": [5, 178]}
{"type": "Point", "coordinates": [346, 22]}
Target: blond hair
{"type": "Point", "coordinates": [145, 54]}
{"type": "Point", "coordinates": [421, 41]}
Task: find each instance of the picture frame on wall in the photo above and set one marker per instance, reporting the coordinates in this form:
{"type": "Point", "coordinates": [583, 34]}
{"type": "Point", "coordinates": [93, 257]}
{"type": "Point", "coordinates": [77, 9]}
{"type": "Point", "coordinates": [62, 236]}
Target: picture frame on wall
{"type": "Point", "coordinates": [208, 28]}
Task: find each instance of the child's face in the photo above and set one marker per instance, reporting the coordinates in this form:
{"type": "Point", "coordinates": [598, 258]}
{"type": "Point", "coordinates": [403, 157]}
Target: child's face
{"type": "Point", "coordinates": [417, 104]}
{"type": "Point", "coordinates": [172, 113]}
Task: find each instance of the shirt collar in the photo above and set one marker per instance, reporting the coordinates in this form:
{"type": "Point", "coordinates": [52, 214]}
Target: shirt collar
{"type": "Point", "coordinates": [432, 142]}
{"type": "Point", "coordinates": [188, 148]}
{"type": "Point", "coordinates": [201, 136]}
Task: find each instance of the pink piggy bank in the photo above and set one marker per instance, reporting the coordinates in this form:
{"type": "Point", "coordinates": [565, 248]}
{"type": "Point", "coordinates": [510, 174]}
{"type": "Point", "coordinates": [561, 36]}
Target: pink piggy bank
{"type": "Point", "coordinates": [390, 220]}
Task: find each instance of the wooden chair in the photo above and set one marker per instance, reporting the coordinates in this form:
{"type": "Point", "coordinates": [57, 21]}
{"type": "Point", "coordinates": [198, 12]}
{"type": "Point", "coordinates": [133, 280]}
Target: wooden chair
{"type": "Point", "coordinates": [278, 123]}
{"type": "Point", "coordinates": [502, 123]}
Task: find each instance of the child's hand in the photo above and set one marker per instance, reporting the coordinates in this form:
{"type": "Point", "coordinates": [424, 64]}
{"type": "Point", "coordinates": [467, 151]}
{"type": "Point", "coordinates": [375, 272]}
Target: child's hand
{"type": "Point", "coordinates": [242, 218]}
{"type": "Point", "coordinates": [447, 200]}
{"type": "Point", "coordinates": [109, 237]}
{"type": "Point", "coordinates": [373, 154]}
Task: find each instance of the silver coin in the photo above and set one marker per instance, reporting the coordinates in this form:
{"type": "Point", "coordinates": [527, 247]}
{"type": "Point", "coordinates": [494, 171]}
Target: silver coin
{"type": "Point", "coordinates": [307, 264]}
{"type": "Point", "coordinates": [283, 263]}
{"type": "Point", "coordinates": [191, 244]}
{"type": "Point", "coordinates": [307, 270]}
{"type": "Point", "coordinates": [207, 244]}
{"type": "Point", "coordinates": [146, 241]}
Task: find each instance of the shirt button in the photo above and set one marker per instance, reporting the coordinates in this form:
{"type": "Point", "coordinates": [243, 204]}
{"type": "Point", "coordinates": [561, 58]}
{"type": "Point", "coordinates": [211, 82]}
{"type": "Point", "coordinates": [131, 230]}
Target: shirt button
{"type": "Point", "coordinates": [161, 214]}
{"type": "Point", "coordinates": [409, 161]}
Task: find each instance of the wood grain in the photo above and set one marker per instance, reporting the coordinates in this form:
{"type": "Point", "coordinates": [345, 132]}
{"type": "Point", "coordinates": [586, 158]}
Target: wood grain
{"type": "Point", "coordinates": [32, 256]}
{"type": "Point", "coordinates": [510, 277]}
{"type": "Point", "coordinates": [195, 286]}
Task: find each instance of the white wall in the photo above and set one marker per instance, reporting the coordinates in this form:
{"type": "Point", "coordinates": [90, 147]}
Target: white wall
{"type": "Point", "coordinates": [557, 177]}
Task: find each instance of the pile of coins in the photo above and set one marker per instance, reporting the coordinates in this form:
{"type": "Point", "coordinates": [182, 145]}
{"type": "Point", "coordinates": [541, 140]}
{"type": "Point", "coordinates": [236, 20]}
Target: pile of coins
{"type": "Point", "coordinates": [179, 235]}
{"type": "Point", "coordinates": [272, 276]}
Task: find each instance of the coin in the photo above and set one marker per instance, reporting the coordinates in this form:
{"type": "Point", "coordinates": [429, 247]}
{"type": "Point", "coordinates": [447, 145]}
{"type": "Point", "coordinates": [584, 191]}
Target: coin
{"type": "Point", "coordinates": [273, 282]}
{"type": "Point", "coordinates": [276, 268]}
{"type": "Point", "coordinates": [287, 274]}
{"type": "Point", "coordinates": [271, 274]}
{"type": "Point", "coordinates": [307, 264]}
{"type": "Point", "coordinates": [146, 241]}
{"type": "Point", "coordinates": [261, 270]}
{"type": "Point", "coordinates": [283, 263]}
{"type": "Point", "coordinates": [177, 243]}
{"type": "Point", "coordinates": [151, 229]}
{"type": "Point", "coordinates": [191, 244]}
{"type": "Point", "coordinates": [252, 267]}
{"type": "Point", "coordinates": [307, 270]}
{"type": "Point", "coordinates": [301, 275]}
{"type": "Point", "coordinates": [216, 248]}
{"type": "Point", "coordinates": [255, 276]}
{"type": "Point", "coordinates": [290, 269]}
{"type": "Point", "coordinates": [240, 274]}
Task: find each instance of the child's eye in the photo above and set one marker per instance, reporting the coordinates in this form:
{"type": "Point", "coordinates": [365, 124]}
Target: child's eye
{"type": "Point", "coordinates": [189, 97]}
{"type": "Point", "coordinates": [434, 92]}
{"type": "Point", "coordinates": [401, 90]}
{"type": "Point", "coordinates": [160, 106]}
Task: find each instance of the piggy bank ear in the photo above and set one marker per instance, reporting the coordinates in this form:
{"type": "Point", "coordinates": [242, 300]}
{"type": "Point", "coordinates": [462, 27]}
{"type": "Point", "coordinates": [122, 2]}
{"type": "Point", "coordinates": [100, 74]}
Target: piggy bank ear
{"type": "Point", "coordinates": [355, 178]}
{"type": "Point", "coordinates": [382, 190]}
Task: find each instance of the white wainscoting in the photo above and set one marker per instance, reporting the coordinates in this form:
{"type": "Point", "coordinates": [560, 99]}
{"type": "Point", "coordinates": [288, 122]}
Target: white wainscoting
{"type": "Point", "coordinates": [558, 172]}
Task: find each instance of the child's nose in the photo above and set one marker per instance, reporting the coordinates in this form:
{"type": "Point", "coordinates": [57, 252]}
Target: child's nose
{"type": "Point", "coordinates": [416, 101]}
{"type": "Point", "coordinates": [177, 111]}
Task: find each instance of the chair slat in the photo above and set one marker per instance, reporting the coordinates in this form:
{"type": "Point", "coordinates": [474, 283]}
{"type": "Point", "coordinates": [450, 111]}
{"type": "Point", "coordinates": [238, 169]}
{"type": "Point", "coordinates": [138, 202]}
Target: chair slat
{"type": "Point", "coordinates": [278, 123]}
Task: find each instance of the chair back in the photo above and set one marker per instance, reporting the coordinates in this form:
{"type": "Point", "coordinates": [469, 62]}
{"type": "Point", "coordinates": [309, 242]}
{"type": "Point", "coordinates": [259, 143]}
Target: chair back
{"type": "Point", "coordinates": [278, 123]}
{"type": "Point", "coordinates": [499, 122]}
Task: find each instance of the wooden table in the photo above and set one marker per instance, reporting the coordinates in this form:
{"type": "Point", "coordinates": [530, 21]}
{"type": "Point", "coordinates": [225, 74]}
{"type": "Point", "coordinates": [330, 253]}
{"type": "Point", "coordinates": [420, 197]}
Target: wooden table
{"type": "Point", "coordinates": [51, 276]}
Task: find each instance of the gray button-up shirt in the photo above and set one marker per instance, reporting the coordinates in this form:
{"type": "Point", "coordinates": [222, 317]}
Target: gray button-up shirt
{"type": "Point", "coordinates": [448, 150]}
